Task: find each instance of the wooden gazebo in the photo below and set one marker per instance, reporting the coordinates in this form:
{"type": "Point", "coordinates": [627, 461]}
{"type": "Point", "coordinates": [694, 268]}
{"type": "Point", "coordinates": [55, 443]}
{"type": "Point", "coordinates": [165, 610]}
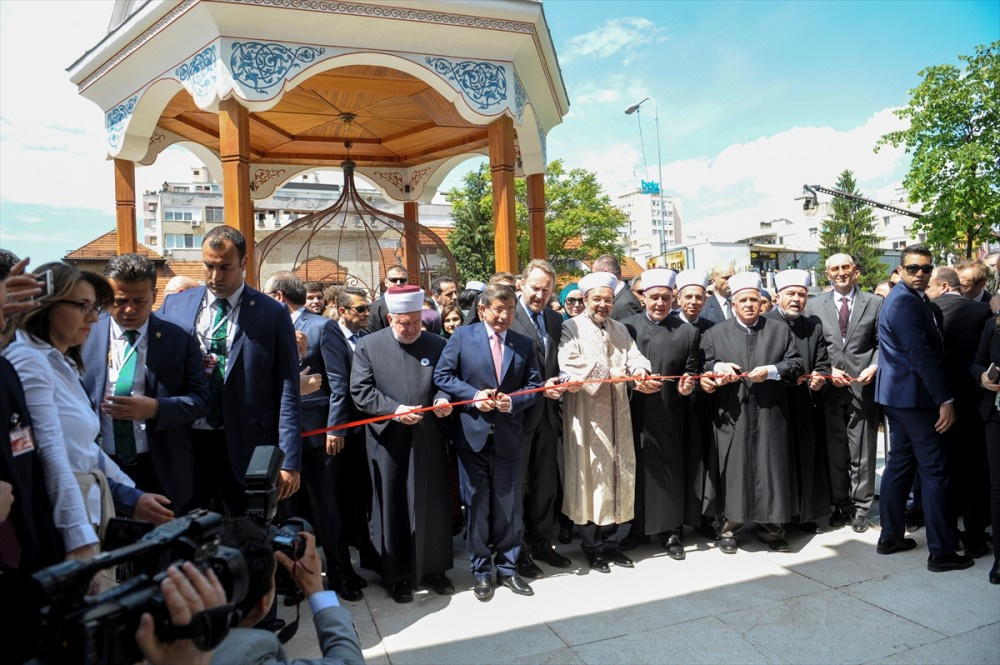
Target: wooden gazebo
{"type": "Point", "coordinates": [262, 90]}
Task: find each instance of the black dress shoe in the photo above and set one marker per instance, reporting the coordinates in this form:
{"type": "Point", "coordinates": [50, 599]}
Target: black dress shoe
{"type": "Point", "coordinates": [913, 518]}
{"type": "Point", "coordinates": [619, 559]}
{"type": "Point", "coordinates": [483, 588]}
{"type": "Point", "coordinates": [359, 581]}
{"type": "Point", "coordinates": [995, 573]}
{"type": "Point", "coordinates": [944, 562]}
{"type": "Point", "coordinates": [809, 527]}
{"type": "Point", "coordinates": [528, 568]}
{"type": "Point", "coordinates": [515, 584]}
{"type": "Point", "coordinates": [975, 545]}
{"type": "Point", "coordinates": [551, 557]}
{"type": "Point", "coordinates": [779, 545]}
{"type": "Point", "coordinates": [632, 541]}
{"type": "Point", "coordinates": [402, 592]}
{"type": "Point", "coordinates": [346, 588]}
{"type": "Point", "coordinates": [838, 518]}
{"type": "Point", "coordinates": [728, 545]}
{"type": "Point", "coordinates": [859, 523]}
{"type": "Point", "coordinates": [440, 583]}
{"type": "Point", "coordinates": [566, 535]}
{"type": "Point", "coordinates": [598, 563]}
{"type": "Point", "coordinates": [898, 546]}
{"type": "Point", "coordinates": [674, 547]}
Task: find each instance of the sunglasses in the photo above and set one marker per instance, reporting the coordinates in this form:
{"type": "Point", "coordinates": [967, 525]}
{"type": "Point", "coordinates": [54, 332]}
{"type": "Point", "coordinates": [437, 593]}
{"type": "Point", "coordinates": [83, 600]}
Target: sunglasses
{"type": "Point", "coordinates": [360, 309]}
{"type": "Point", "coordinates": [398, 280]}
{"type": "Point", "coordinates": [574, 301]}
{"type": "Point", "coordinates": [914, 268]}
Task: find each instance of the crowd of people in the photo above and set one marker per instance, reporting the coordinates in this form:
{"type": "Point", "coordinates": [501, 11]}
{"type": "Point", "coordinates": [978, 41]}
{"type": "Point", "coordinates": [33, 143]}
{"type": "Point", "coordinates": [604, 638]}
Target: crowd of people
{"type": "Point", "coordinates": [615, 413]}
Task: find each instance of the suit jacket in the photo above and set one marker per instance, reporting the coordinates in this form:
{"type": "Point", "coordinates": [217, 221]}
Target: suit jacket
{"type": "Point", "coordinates": [911, 356]}
{"type": "Point", "coordinates": [988, 352]}
{"type": "Point", "coordinates": [466, 367]}
{"type": "Point", "coordinates": [260, 400]}
{"type": "Point", "coordinates": [334, 628]}
{"type": "Point", "coordinates": [175, 376]}
{"type": "Point", "coordinates": [963, 327]}
{"type": "Point", "coordinates": [625, 305]}
{"type": "Point", "coordinates": [327, 354]}
{"type": "Point", "coordinates": [377, 315]}
{"type": "Point", "coordinates": [548, 362]}
{"type": "Point", "coordinates": [712, 311]}
{"type": "Point", "coordinates": [857, 351]}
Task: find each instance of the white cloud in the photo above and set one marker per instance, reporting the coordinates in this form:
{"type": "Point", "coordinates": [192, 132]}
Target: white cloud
{"type": "Point", "coordinates": [613, 36]}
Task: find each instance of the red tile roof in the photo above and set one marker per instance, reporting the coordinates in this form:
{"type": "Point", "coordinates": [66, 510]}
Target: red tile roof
{"type": "Point", "coordinates": [104, 247]}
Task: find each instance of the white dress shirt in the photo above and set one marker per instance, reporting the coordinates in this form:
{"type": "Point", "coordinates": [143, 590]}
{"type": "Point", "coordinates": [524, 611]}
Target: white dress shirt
{"type": "Point", "coordinates": [65, 427]}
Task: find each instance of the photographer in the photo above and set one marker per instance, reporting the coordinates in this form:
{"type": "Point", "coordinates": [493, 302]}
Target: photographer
{"type": "Point", "coordinates": [334, 625]}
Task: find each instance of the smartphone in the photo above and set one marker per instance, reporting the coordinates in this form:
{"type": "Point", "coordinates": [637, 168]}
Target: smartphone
{"type": "Point", "coordinates": [45, 282]}
{"type": "Point", "coordinates": [993, 373]}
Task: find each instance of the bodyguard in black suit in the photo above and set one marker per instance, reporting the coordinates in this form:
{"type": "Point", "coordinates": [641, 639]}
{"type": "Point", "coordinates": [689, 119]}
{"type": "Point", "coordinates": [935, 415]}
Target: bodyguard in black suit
{"type": "Point", "coordinates": [718, 306]}
{"type": "Point", "coordinates": [322, 454]}
{"type": "Point", "coordinates": [145, 425]}
{"type": "Point", "coordinates": [965, 442]}
{"type": "Point", "coordinates": [543, 326]}
{"type": "Point", "coordinates": [988, 354]}
{"type": "Point", "coordinates": [377, 319]}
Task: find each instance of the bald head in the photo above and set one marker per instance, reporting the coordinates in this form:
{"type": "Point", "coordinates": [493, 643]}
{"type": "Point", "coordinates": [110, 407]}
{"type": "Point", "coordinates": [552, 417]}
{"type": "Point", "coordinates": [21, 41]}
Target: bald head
{"type": "Point", "coordinates": [178, 283]}
{"type": "Point", "coordinates": [842, 273]}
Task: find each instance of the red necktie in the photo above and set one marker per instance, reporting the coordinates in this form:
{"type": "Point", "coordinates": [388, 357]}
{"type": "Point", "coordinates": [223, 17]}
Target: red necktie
{"type": "Point", "coordinates": [497, 349]}
{"type": "Point", "coordinates": [845, 315]}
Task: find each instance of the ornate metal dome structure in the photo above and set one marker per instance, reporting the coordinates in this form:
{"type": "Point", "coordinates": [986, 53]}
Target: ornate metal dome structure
{"type": "Point", "coordinates": [353, 243]}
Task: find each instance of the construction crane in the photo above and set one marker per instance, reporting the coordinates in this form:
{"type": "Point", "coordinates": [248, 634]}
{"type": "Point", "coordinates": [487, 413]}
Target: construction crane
{"type": "Point", "coordinates": [810, 204]}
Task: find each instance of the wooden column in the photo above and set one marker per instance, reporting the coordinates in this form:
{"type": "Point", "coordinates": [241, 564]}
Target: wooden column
{"type": "Point", "coordinates": [504, 213]}
{"type": "Point", "coordinates": [411, 243]}
{"type": "Point", "coordinates": [234, 152]}
{"type": "Point", "coordinates": [536, 214]}
{"type": "Point", "coordinates": [125, 205]}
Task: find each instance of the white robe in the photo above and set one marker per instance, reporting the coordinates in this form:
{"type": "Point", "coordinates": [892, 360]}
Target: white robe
{"type": "Point", "coordinates": [599, 476]}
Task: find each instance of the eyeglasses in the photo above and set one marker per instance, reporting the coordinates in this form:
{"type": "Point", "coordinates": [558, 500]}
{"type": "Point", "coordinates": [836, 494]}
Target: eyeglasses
{"type": "Point", "coordinates": [84, 306]}
{"type": "Point", "coordinates": [914, 268]}
{"type": "Point", "coordinates": [398, 280]}
{"type": "Point", "coordinates": [639, 292]}
{"type": "Point", "coordinates": [574, 301]}
{"type": "Point", "coordinates": [360, 309]}
{"type": "Point", "coordinates": [500, 311]}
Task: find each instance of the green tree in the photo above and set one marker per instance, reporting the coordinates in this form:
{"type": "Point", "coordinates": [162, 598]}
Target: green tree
{"type": "Point", "coordinates": [580, 221]}
{"type": "Point", "coordinates": [954, 136]}
{"type": "Point", "coordinates": [851, 230]}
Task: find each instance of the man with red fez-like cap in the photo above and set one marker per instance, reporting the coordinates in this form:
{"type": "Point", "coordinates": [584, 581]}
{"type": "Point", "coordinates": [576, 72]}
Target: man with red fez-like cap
{"type": "Point", "coordinates": [393, 372]}
{"type": "Point", "coordinates": [756, 475]}
{"type": "Point", "coordinates": [805, 414]}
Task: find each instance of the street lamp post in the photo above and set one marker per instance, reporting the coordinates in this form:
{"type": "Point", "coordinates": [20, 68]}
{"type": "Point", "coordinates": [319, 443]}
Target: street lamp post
{"type": "Point", "coordinates": [659, 167]}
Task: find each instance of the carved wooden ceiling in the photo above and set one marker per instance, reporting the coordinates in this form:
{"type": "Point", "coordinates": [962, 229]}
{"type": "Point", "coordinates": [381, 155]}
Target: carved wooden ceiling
{"type": "Point", "coordinates": [398, 120]}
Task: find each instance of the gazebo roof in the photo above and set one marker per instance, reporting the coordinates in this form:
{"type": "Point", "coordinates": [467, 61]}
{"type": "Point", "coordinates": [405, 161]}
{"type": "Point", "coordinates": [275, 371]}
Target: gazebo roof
{"type": "Point", "coordinates": [412, 84]}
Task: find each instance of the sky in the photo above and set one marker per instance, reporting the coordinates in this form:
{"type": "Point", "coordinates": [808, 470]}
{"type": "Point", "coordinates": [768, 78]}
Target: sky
{"type": "Point", "coordinates": [753, 100]}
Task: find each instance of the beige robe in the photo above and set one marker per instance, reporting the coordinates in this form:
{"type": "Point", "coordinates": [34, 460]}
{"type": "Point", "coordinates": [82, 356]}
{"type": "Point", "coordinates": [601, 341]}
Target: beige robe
{"type": "Point", "coordinates": [599, 478]}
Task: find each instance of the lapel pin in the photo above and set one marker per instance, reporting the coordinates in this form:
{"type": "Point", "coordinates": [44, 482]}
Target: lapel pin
{"type": "Point", "coordinates": [425, 362]}
{"type": "Point", "coordinates": [253, 302]}
{"type": "Point", "coordinates": [159, 335]}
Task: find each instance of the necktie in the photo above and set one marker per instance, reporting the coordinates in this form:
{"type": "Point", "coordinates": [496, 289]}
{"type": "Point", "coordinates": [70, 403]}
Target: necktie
{"type": "Point", "coordinates": [353, 339]}
{"type": "Point", "coordinates": [845, 315]}
{"type": "Point", "coordinates": [727, 308]}
{"type": "Point", "coordinates": [123, 429]}
{"type": "Point", "coordinates": [540, 329]}
{"type": "Point", "coordinates": [217, 346]}
{"type": "Point", "coordinates": [497, 349]}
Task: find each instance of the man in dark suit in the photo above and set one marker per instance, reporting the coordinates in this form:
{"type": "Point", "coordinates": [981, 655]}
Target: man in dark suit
{"type": "Point", "coordinates": [965, 442]}
{"type": "Point", "coordinates": [486, 362]}
{"type": "Point", "coordinates": [850, 330]}
{"type": "Point", "coordinates": [719, 306]}
{"type": "Point", "coordinates": [148, 378]}
{"type": "Point", "coordinates": [322, 461]}
{"type": "Point", "coordinates": [250, 356]}
{"type": "Point", "coordinates": [919, 405]}
{"type": "Point", "coordinates": [973, 276]}
{"type": "Point", "coordinates": [394, 276]}
{"type": "Point", "coordinates": [543, 326]}
{"type": "Point", "coordinates": [626, 304]}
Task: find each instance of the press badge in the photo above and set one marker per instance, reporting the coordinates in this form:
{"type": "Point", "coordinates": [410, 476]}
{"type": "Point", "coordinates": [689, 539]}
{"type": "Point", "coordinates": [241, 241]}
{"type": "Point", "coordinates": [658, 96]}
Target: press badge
{"type": "Point", "coordinates": [20, 438]}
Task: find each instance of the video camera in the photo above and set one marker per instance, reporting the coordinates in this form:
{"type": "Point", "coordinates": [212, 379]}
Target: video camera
{"type": "Point", "coordinates": [79, 628]}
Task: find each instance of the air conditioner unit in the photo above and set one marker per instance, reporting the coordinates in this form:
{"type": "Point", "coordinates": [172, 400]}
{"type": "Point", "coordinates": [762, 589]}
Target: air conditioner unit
{"type": "Point", "coordinates": [195, 222]}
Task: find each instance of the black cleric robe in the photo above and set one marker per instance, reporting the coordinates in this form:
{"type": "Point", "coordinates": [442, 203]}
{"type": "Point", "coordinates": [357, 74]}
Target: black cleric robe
{"type": "Point", "coordinates": [410, 523]}
{"type": "Point", "coordinates": [750, 422]}
{"type": "Point", "coordinates": [672, 347]}
{"type": "Point", "coordinates": [806, 418]}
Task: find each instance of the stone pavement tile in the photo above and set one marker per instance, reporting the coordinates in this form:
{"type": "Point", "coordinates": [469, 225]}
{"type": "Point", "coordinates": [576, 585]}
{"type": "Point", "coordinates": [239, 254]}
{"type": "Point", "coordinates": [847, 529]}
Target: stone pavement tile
{"type": "Point", "coordinates": [661, 592]}
{"type": "Point", "coordinates": [950, 603]}
{"type": "Point", "coordinates": [838, 559]}
{"type": "Point", "coordinates": [479, 643]}
{"type": "Point", "coordinates": [705, 640]}
{"type": "Point", "coordinates": [980, 646]}
{"type": "Point", "coordinates": [371, 642]}
{"type": "Point", "coordinates": [817, 629]}
{"type": "Point", "coordinates": [564, 656]}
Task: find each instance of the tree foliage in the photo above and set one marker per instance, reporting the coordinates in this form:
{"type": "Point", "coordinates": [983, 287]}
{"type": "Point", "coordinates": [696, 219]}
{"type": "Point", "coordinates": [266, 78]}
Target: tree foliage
{"type": "Point", "coordinates": [580, 221]}
{"type": "Point", "coordinates": [851, 230]}
{"type": "Point", "coordinates": [954, 136]}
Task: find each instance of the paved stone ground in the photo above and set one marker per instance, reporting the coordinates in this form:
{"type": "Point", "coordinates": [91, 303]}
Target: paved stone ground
{"type": "Point", "coordinates": [832, 599]}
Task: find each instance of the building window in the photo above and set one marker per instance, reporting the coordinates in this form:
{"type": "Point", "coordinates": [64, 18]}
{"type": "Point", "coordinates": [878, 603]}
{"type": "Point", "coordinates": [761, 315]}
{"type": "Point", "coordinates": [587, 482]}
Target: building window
{"type": "Point", "coordinates": [885, 221]}
{"type": "Point", "coordinates": [181, 241]}
{"type": "Point", "coordinates": [178, 215]}
{"type": "Point", "coordinates": [814, 232]}
{"type": "Point", "coordinates": [214, 214]}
